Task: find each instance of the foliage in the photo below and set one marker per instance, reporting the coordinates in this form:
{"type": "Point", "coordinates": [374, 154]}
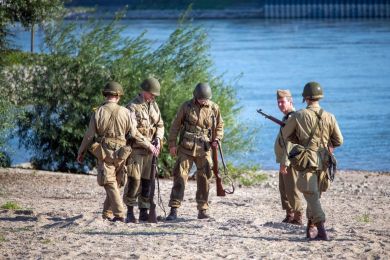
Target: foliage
{"type": "Point", "coordinates": [6, 123]}
{"type": "Point", "coordinates": [10, 205]}
{"type": "Point", "coordinates": [246, 175]}
{"type": "Point", "coordinates": [65, 85]}
{"type": "Point", "coordinates": [33, 12]}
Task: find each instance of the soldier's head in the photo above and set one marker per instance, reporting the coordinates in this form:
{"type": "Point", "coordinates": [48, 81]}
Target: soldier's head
{"type": "Point", "coordinates": [285, 101]}
{"type": "Point", "coordinates": [151, 88]}
{"type": "Point", "coordinates": [112, 89]}
{"type": "Point", "coordinates": [202, 92]}
{"type": "Point", "coordinates": [312, 92]}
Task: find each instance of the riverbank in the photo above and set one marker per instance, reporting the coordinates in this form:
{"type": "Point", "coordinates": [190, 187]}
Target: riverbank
{"type": "Point", "coordinates": [62, 220]}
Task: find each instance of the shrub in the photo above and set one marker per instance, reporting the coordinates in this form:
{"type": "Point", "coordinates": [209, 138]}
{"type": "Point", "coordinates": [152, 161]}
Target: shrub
{"type": "Point", "coordinates": [10, 205]}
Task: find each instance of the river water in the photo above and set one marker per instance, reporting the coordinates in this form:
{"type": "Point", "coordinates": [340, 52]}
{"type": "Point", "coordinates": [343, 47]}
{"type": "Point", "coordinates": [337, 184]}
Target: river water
{"type": "Point", "coordinates": [350, 58]}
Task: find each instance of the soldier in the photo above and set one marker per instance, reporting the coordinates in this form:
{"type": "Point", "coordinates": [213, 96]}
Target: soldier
{"type": "Point", "coordinates": [109, 125]}
{"type": "Point", "coordinates": [151, 126]}
{"type": "Point", "coordinates": [194, 121]}
{"type": "Point", "coordinates": [291, 202]}
{"type": "Point", "coordinates": [318, 131]}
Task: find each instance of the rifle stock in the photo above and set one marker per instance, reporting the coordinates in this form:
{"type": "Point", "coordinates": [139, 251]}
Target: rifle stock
{"type": "Point", "coordinates": [273, 119]}
{"type": "Point", "coordinates": [220, 190]}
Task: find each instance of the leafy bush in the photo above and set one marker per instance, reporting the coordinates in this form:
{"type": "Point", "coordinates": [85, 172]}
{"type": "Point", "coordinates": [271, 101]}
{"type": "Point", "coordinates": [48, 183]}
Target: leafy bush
{"type": "Point", "coordinates": [65, 85]}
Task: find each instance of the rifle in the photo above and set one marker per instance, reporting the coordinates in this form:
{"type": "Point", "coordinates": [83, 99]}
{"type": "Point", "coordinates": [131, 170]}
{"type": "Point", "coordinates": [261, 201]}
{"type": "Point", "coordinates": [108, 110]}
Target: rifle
{"type": "Point", "coordinates": [273, 119]}
{"type": "Point", "coordinates": [153, 173]}
{"type": "Point", "coordinates": [220, 190]}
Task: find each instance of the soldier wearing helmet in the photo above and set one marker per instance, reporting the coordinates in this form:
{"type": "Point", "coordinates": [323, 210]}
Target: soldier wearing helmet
{"type": "Point", "coordinates": [317, 130]}
{"type": "Point", "coordinates": [151, 126]}
{"type": "Point", "coordinates": [108, 126]}
{"type": "Point", "coordinates": [289, 193]}
{"type": "Point", "coordinates": [192, 125]}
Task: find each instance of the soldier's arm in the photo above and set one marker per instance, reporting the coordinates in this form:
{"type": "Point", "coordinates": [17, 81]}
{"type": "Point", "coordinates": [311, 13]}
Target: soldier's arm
{"type": "Point", "coordinates": [219, 125]}
{"type": "Point", "coordinates": [289, 130]}
{"type": "Point", "coordinates": [88, 136]}
{"type": "Point", "coordinates": [336, 138]}
{"type": "Point", "coordinates": [175, 126]}
{"type": "Point", "coordinates": [160, 125]}
{"type": "Point", "coordinates": [133, 131]}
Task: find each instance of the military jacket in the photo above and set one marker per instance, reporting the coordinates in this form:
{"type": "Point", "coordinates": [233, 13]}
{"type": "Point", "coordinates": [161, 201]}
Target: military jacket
{"type": "Point", "coordinates": [194, 122]}
{"type": "Point", "coordinates": [99, 125]}
{"type": "Point", "coordinates": [149, 121]}
{"type": "Point", "coordinates": [300, 125]}
{"type": "Point", "coordinates": [282, 147]}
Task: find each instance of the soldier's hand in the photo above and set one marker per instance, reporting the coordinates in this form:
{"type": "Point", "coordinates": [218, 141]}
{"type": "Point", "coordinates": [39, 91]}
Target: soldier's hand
{"type": "Point", "coordinates": [215, 143]}
{"type": "Point", "coordinates": [283, 169]}
{"type": "Point", "coordinates": [173, 151]}
{"type": "Point", "coordinates": [80, 158]}
{"type": "Point", "coordinates": [154, 150]}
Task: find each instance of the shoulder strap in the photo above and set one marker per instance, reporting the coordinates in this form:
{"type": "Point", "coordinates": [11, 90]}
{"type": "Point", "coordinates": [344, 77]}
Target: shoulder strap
{"type": "Point", "coordinates": [313, 130]}
{"type": "Point", "coordinates": [113, 115]}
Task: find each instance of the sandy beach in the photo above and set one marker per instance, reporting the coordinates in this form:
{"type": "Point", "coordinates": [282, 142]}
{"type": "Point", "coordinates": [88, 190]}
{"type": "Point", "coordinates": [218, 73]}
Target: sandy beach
{"type": "Point", "coordinates": [60, 218]}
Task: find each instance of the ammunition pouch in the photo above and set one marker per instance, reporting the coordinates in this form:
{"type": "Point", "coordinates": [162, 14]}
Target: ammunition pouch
{"type": "Point", "coordinates": [97, 150]}
{"type": "Point", "coordinates": [189, 140]}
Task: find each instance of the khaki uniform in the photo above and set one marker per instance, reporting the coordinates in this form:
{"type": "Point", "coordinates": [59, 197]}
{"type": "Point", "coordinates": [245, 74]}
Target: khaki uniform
{"type": "Point", "coordinates": [287, 182]}
{"type": "Point", "coordinates": [298, 128]}
{"type": "Point", "coordinates": [151, 126]}
{"type": "Point", "coordinates": [114, 138]}
{"type": "Point", "coordinates": [193, 124]}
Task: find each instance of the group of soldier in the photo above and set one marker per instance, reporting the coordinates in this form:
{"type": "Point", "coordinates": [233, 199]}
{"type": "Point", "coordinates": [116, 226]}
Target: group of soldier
{"type": "Point", "coordinates": [140, 128]}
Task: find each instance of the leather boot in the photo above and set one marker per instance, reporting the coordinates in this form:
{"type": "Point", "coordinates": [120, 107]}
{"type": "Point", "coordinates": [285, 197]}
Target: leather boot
{"type": "Point", "coordinates": [202, 214]}
{"type": "Point", "coordinates": [130, 218]}
{"type": "Point", "coordinates": [143, 215]}
{"type": "Point", "coordinates": [311, 230]}
{"type": "Point", "coordinates": [289, 216]}
{"type": "Point", "coordinates": [321, 232]}
{"type": "Point", "coordinates": [172, 215]}
{"type": "Point", "coordinates": [119, 219]}
{"type": "Point", "coordinates": [297, 219]}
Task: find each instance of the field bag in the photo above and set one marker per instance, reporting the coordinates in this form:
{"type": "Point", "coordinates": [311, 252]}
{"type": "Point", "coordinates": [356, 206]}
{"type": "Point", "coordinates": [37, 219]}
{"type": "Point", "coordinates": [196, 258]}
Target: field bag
{"type": "Point", "coordinates": [298, 155]}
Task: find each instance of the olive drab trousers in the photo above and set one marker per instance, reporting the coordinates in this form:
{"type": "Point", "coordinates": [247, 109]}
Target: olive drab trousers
{"type": "Point", "coordinates": [289, 193]}
{"type": "Point", "coordinates": [181, 169]}
{"type": "Point", "coordinates": [113, 203]}
{"type": "Point", "coordinates": [139, 166]}
{"type": "Point", "coordinates": [307, 183]}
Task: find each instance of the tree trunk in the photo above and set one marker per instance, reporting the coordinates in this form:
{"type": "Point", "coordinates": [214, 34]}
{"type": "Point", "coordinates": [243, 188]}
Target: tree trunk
{"type": "Point", "coordinates": [32, 38]}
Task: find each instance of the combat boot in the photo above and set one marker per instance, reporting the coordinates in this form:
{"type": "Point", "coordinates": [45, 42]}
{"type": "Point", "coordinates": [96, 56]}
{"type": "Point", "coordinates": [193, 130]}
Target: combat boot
{"type": "Point", "coordinates": [321, 232]}
{"type": "Point", "coordinates": [130, 218]}
{"type": "Point", "coordinates": [143, 215]}
{"type": "Point", "coordinates": [118, 219]}
{"type": "Point", "coordinates": [311, 230]}
{"type": "Point", "coordinates": [289, 216]}
{"type": "Point", "coordinates": [172, 215]}
{"type": "Point", "coordinates": [202, 214]}
{"type": "Point", "coordinates": [297, 220]}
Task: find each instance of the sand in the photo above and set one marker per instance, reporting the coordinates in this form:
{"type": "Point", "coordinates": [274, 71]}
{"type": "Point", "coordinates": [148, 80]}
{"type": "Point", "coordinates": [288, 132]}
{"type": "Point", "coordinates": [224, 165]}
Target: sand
{"type": "Point", "coordinates": [61, 219]}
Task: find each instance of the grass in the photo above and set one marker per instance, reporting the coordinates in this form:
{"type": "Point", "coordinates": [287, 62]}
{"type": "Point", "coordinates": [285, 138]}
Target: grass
{"type": "Point", "coordinates": [10, 205]}
{"type": "Point", "coordinates": [365, 218]}
{"type": "Point", "coordinates": [2, 239]}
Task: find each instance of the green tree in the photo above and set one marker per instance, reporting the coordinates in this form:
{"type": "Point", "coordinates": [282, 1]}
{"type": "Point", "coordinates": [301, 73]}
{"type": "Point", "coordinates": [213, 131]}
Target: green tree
{"type": "Point", "coordinates": [64, 86]}
{"type": "Point", "coordinates": [33, 12]}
